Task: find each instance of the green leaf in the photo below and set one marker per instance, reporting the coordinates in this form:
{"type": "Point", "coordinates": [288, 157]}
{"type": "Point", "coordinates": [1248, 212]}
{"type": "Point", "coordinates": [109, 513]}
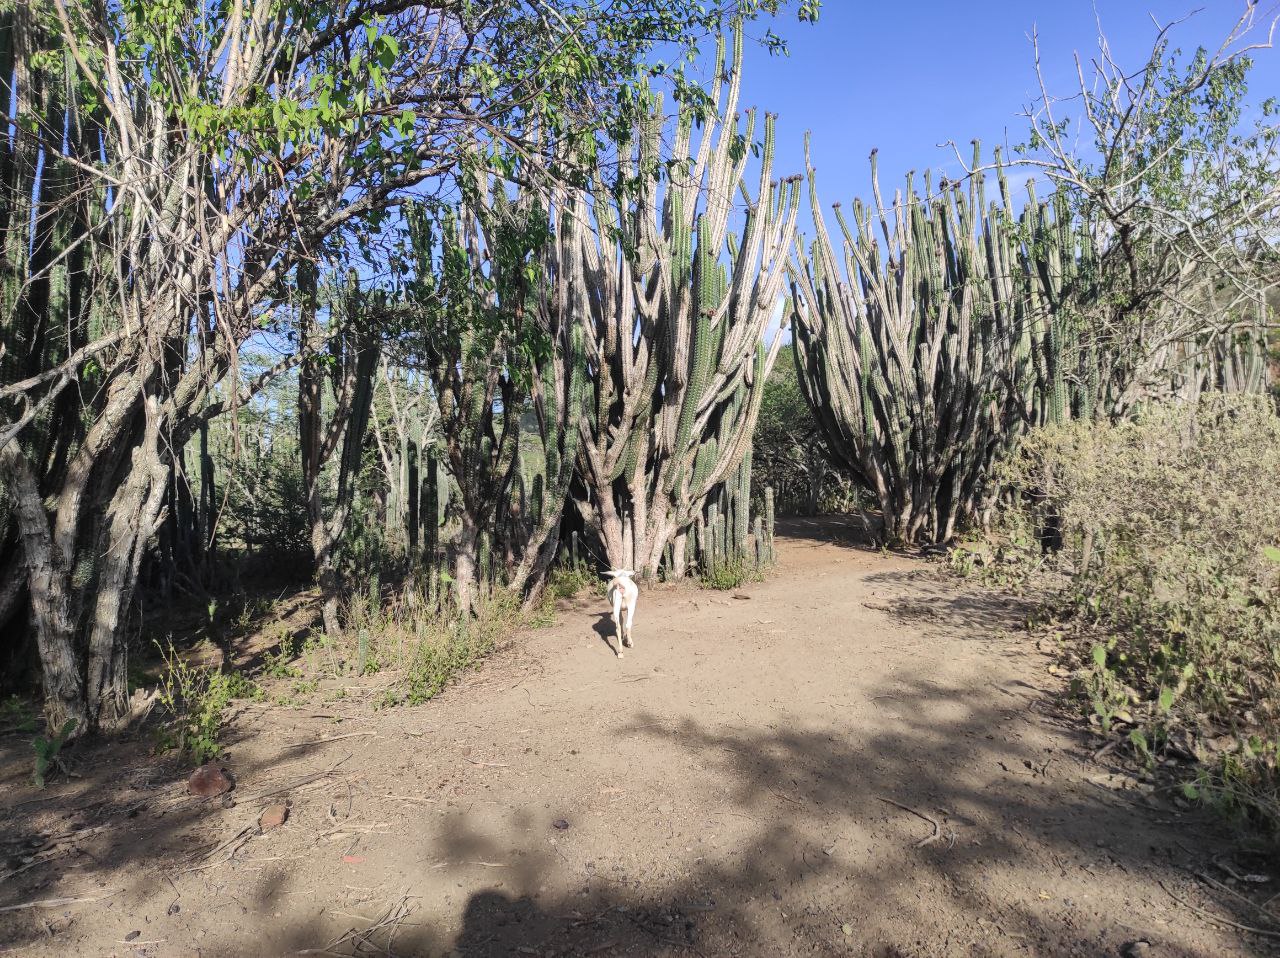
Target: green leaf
{"type": "Point", "coordinates": [1100, 656]}
{"type": "Point", "coordinates": [1190, 791]}
{"type": "Point", "coordinates": [1166, 699]}
{"type": "Point", "coordinates": [1272, 553]}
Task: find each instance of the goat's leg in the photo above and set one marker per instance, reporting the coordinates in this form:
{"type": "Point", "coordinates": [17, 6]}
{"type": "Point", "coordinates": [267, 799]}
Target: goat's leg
{"type": "Point", "coordinates": [631, 614]}
{"type": "Point", "coordinates": [617, 619]}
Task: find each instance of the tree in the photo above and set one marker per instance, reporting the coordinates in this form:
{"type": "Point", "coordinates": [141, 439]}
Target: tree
{"type": "Point", "coordinates": [184, 160]}
{"type": "Point", "coordinates": [1172, 174]}
{"type": "Point", "coordinates": [348, 365]}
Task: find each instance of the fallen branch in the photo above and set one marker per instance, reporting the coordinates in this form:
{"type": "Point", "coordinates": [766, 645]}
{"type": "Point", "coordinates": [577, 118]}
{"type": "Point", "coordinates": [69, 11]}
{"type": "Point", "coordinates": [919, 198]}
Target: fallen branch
{"type": "Point", "coordinates": [295, 783]}
{"type": "Point", "coordinates": [1218, 918]}
{"type": "Point", "coordinates": [329, 738]}
{"type": "Point", "coordinates": [1235, 894]}
{"type": "Point", "coordinates": [937, 829]}
{"type": "Point", "coordinates": [234, 842]}
{"type": "Point", "coordinates": [55, 902]}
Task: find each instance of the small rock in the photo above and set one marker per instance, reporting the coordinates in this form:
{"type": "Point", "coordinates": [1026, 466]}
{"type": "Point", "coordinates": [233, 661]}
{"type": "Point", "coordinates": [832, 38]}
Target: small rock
{"type": "Point", "coordinates": [560, 824]}
{"type": "Point", "coordinates": [210, 780]}
{"type": "Point", "coordinates": [174, 908]}
{"type": "Point", "coordinates": [132, 935]}
{"type": "Point", "coordinates": [353, 859]}
{"type": "Point", "coordinates": [847, 929]}
{"type": "Point", "coordinates": [273, 816]}
{"type": "Point", "coordinates": [1135, 949]}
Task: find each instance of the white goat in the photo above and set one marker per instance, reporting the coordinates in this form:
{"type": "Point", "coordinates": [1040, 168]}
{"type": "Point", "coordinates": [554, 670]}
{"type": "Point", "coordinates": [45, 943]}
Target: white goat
{"type": "Point", "coordinates": [622, 596]}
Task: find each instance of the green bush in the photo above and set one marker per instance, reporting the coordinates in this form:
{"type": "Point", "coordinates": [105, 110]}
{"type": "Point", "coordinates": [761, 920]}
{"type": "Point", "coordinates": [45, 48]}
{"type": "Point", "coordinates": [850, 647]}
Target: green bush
{"type": "Point", "coordinates": [47, 751]}
{"type": "Point", "coordinates": [729, 575]}
{"type": "Point", "coordinates": [566, 581]}
{"type": "Point", "coordinates": [427, 650]}
{"type": "Point", "coordinates": [1168, 529]}
{"type": "Point", "coordinates": [195, 697]}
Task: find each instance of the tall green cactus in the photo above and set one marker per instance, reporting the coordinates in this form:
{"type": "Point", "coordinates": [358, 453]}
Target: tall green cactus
{"type": "Point", "coordinates": [676, 314]}
{"type": "Point", "coordinates": [501, 350]}
{"type": "Point", "coordinates": [901, 362]}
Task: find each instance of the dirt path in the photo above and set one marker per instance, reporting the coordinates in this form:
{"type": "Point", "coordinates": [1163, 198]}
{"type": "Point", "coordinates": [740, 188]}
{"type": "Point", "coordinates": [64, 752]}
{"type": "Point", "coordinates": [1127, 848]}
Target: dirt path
{"type": "Point", "coordinates": [739, 784]}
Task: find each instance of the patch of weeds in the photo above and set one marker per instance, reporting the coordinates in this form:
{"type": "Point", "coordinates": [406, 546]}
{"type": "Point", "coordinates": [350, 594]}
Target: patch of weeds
{"type": "Point", "coordinates": [566, 581]}
{"type": "Point", "coordinates": [17, 715]}
{"type": "Point", "coordinates": [279, 663]}
{"type": "Point", "coordinates": [299, 693]}
{"type": "Point", "coordinates": [47, 750]}
{"type": "Point", "coordinates": [442, 646]}
{"type": "Point", "coordinates": [724, 576]}
{"type": "Point", "coordinates": [195, 698]}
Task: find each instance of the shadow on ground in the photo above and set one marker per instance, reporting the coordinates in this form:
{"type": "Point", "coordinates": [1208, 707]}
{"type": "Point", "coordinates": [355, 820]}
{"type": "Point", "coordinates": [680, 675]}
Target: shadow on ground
{"type": "Point", "coordinates": [833, 857]}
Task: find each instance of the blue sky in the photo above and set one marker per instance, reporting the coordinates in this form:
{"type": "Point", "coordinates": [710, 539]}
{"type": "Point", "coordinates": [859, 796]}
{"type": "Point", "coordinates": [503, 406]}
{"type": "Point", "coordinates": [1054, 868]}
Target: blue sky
{"type": "Point", "coordinates": [905, 76]}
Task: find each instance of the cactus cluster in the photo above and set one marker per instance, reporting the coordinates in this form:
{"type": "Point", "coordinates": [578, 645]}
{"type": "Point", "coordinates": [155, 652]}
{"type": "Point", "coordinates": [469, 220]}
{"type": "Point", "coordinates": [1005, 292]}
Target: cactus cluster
{"type": "Point", "coordinates": [726, 535]}
{"type": "Point", "coordinates": [505, 369]}
{"type": "Point", "coordinates": [899, 361]}
{"type": "Point", "coordinates": [676, 310]}
{"type": "Point", "coordinates": [948, 324]}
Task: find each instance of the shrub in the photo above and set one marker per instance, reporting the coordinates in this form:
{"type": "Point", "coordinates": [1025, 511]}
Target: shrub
{"type": "Point", "coordinates": [47, 751]}
{"type": "Point", "coordinates": [729, 575]}
{"type": "Point", "coordinates": [430, 649]}
{"type": "Point", "coordinates": [1164, 532]}
{"type": "Point", "coordinates": [195, 698]}
{"type": "Point", "coordinates": [567, 581]}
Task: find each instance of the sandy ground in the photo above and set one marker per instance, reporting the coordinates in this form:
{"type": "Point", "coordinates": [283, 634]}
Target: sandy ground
{"type": "Point", "coordinates": [764, 774]}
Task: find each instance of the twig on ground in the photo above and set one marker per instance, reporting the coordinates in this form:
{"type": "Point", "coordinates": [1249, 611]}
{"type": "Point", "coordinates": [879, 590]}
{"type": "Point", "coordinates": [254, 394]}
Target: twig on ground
{"type": "Point", "coordinates": [1218, 918]}
{"type": "Point", "coordinates": [295, 783]}
{"type": "Point", "coordinates": [937, 829]}
{"type": "Point", "coordinates": [393, 916]}
{"type": "Point", "coordinates": [489, 764]}
{"type": "Point", "coordinates": [55, 902]}
{"type": "Point", "coordinates": [328, 738]}
{"type": "Point", "coordinates": [235, 842]}
{"type": "Point", "coordinates": [1252, 879]}
{"type": "Point", "coordinates": [1235, 894]}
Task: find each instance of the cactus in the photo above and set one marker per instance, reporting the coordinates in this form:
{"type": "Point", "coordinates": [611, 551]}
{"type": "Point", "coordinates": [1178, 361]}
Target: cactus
{"type": "Point", "coordinates": [676, 312]}
{"type": "Point", "coordinates": [906, 367]}
{"type": "Point", "coordinates": [768, 523]}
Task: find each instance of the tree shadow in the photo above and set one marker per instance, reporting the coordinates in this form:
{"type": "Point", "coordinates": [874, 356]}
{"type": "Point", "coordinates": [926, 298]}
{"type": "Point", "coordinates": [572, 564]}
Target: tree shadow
{"type": "Point", "coordinates": [932, 599]}
{"type": "Point", "coordinates": [788, 836]}
{"type": "Point", "coordinates": [857, 531]}
{"type": "Point", "coordinates": [835, 844]}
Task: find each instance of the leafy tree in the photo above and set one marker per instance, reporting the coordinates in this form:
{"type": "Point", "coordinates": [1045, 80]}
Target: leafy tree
{"type": "Point", "coordinates": [180, 161]}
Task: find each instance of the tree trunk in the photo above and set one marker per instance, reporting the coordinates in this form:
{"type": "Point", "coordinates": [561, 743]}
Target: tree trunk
{"type": "Point", "coordinates": [817, 472]}
{"type": "Point", "coordinates": [466, 565]}
{"type": "Point", "coordinates": [48, 581]}
{"type": "Point", "coordinates": [133, 517]}
{"type": "Point", "coordinates": [679, 551]}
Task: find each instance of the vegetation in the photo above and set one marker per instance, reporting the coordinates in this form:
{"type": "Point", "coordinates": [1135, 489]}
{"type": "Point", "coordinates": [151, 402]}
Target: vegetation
{"type": "Point", "coordinates": [788, 452]}
{"type": "Point", "coordinates": [444, 308]}
{"type": "Point", "coordinates": [288, 135]}
{"type": "Point", "coordinates": [195, 699]}
{"type": "Point", "coordinates": [47, 752]}
{"type": "Point", "coordinates": [1142, 277]}
{"type": "Point", "coordinates": [1166, 533]}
